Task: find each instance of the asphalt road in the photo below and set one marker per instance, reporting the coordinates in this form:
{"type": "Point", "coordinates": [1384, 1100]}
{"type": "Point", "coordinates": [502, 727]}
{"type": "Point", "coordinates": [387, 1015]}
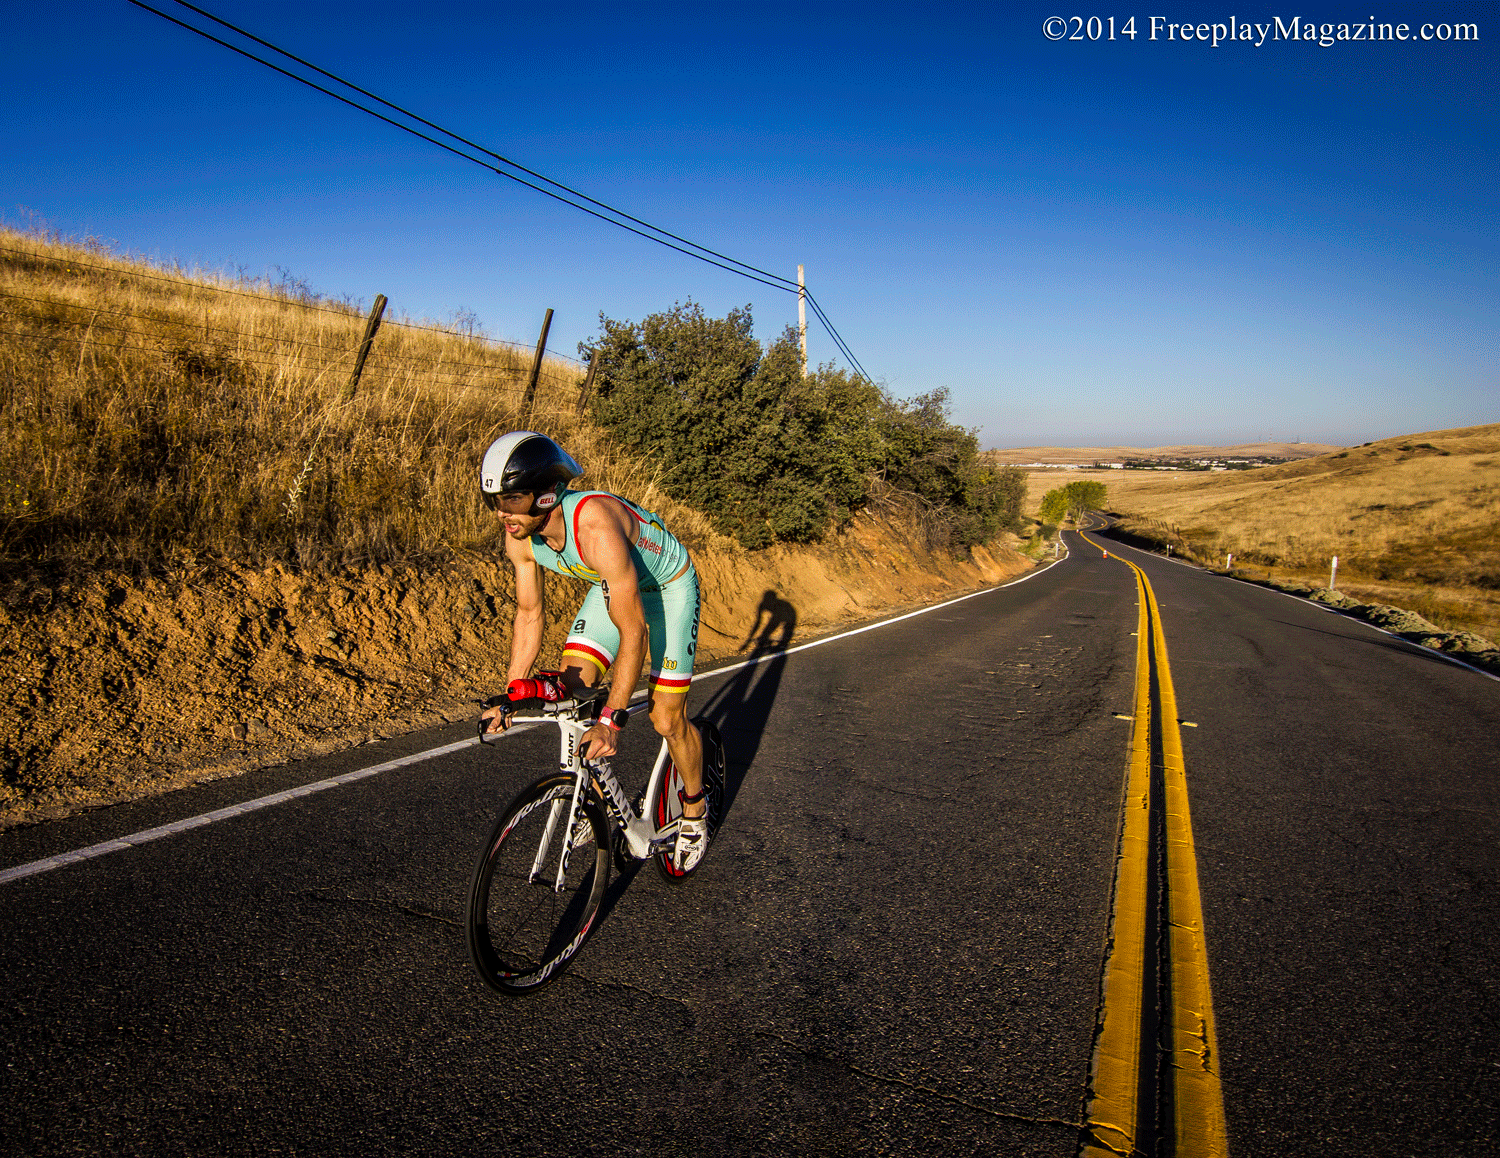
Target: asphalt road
{"type": "Point", "coordinates": [1343, 787]}
{"type": "Point", "coordinates": [893, 947]}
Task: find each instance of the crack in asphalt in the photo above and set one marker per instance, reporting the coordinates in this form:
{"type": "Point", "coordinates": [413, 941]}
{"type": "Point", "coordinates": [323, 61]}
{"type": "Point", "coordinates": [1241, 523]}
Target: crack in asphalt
{"type": "Point", "coordinates": [576, 976]}
{"type": "Point", "coordinates": [900, 791]}
{"type": "Point", "coordinates": [1006, 1115]}
{"type": "Point", "coordinates": [425, 914]}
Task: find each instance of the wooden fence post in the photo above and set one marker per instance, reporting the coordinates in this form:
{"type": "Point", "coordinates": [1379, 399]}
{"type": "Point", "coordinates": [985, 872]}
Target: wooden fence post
{"type": "Point", "coordinates": [371, 325]}
{"type": "Point", "coordinates": [536, 365]}
{"type": "Point", "coordinates": [588, 383]}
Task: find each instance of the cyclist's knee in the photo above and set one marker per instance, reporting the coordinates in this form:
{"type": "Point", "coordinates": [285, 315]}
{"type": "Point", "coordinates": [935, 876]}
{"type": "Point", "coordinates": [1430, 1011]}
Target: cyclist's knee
{"type": "Point", "coordinates": [667, 717]}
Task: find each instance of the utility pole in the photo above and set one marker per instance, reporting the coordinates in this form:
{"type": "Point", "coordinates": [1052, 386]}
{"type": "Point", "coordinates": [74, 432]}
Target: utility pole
{"type": "Point", "coordinates": [802, 317]}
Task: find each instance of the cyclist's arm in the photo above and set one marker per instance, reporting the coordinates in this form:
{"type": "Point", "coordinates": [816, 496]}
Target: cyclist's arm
{"type": "Point", "coordinates": [530, 622]}
{"type": "Point", "coordinates": [526, 637]}
{"type": "Point", "coordinates": [604, 544]}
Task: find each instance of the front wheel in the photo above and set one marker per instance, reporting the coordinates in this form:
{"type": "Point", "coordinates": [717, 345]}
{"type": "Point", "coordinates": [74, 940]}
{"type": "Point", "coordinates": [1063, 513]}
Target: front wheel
{"type": "Point", "coordinates": [666, 807]}
{"type": "Point", "coordinates": [522, 925]}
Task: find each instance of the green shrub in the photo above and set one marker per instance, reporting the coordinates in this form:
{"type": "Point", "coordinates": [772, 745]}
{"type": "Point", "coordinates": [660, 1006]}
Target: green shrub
{"type": "Point", "coordinates": [770, 455]}
{"type": "Point", "coordinates": [1073, 500]}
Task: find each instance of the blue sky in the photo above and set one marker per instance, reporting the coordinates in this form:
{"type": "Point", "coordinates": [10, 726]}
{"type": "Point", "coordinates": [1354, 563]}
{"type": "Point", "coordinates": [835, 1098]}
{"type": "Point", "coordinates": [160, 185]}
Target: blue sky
{"type": "Point", "coordinates": [1089, 242]}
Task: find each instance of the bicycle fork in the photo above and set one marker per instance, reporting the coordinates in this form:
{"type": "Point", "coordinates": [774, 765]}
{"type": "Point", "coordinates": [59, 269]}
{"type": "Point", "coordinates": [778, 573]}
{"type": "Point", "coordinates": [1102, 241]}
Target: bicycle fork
{"type": "Point", "coordinates": [569, 763]}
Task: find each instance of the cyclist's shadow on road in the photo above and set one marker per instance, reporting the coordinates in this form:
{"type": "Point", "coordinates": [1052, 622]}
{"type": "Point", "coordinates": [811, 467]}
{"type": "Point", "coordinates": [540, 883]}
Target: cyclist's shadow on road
{"type": "Point", "coordinates": [741, 708]}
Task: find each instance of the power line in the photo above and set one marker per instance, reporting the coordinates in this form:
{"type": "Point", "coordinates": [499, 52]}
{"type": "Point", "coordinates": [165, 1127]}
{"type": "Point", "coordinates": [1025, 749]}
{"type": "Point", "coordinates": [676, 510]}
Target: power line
{"type": "Point", "coordinates": [444, 145]}
{"type": "Point", "coordinates": [619, 219]}
{"type": "Point", "coordinates": [474, 145]}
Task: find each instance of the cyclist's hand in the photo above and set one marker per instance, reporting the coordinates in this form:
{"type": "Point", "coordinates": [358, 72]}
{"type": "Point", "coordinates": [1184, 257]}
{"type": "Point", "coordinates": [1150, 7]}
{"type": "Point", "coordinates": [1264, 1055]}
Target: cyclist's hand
{"type": "Point", "coordinates": [599, 742]}
{"type": "Point", "coordinates": [495, 719]}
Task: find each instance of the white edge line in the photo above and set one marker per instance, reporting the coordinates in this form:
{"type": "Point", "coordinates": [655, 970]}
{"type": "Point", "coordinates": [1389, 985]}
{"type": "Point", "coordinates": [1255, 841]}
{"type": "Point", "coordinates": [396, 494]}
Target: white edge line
{"type": "Point", "coordinates": [32, 868]}
{"type": "Point", "coordinates": [1306, 602]}
{"type": "Point", "coordinates": [718, 671]}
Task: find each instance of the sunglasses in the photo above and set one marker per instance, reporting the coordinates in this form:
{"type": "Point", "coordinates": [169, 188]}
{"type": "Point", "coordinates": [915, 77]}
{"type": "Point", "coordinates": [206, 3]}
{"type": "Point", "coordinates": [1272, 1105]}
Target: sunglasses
{"type": "Point", "coordinates": [515, 503]}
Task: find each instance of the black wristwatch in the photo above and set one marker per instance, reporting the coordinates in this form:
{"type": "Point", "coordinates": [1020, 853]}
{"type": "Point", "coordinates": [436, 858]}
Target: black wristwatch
{"type": "Point", "coordinates": [616, 718]}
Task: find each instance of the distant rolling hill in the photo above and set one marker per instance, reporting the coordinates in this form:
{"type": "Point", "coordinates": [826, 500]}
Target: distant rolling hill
{"type": "Point", "coordinates": [1414, 520]}
{"type": "Point", "coordinates": [1084, 455]}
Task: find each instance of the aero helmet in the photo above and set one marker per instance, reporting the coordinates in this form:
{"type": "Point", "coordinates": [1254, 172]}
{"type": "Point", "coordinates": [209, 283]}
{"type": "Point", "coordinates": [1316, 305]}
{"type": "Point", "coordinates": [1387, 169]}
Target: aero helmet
{"type": "Point", "coordinates": [524, 461]}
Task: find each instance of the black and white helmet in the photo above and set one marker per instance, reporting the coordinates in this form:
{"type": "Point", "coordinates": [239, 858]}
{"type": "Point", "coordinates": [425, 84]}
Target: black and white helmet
{"type": "Point", "coordinates": [525, 462]}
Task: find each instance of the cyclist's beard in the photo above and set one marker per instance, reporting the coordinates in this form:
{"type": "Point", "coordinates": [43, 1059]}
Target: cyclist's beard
{"type": "Point", "coordinates": [523, 526]}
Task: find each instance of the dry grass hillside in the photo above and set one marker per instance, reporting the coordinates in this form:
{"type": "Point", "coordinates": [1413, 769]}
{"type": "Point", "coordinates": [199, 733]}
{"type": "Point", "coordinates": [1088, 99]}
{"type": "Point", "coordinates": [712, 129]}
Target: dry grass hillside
{"type": "Point", "coordinates": [1415, 521]}
{"type": "Point", "coordinates": [151, 417]}
{"type": "Point", "coordinates": [213, 556]}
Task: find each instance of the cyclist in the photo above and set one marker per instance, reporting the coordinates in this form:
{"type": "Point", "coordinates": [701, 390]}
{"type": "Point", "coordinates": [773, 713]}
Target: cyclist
{"type": "Point", "coordinates": [644, 600]}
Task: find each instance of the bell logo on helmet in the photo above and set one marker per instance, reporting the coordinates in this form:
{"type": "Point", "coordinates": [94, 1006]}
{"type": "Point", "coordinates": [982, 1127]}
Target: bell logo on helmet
{"type": "Point", "coordinates": [544, 501]}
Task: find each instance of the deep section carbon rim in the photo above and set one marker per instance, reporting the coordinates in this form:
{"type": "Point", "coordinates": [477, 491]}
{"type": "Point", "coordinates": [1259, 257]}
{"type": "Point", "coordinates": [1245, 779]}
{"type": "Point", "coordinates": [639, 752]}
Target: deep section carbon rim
{"type": "Point", "coordinates": [522, 929]}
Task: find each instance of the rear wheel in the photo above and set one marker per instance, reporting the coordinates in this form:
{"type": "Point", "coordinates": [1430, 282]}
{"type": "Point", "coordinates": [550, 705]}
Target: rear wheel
{"type": "Point", "coordinates": [522, 927]}
{"type": "Point", "coordinates": [667, 807]}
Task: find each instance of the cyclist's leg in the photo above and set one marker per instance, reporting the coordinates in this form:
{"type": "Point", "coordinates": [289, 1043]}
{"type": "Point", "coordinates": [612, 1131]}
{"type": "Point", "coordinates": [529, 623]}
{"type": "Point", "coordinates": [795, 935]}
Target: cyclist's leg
{"type": "Point", "coordinates": [672, 619]}
{"type": "Point", "coordinates": [592, 642]}
{"type": "Point", "coordinates": [669, 718]}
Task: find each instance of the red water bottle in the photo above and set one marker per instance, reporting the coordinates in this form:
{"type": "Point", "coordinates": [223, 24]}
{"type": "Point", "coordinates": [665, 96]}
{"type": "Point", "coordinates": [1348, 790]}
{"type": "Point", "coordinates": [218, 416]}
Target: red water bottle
{"type": "Point", "coordinates": [521, 690]}
{"type": "Point", "coordinates": [547, 685]}
{"type": "Point", "coordinates": [550, 686]}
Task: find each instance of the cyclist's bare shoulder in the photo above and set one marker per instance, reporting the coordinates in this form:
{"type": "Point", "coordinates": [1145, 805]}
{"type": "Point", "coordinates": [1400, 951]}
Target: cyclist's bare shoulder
{"type": "Point", "coordinates": [604, 515]}
{"type": "Point", "coordinates": [605, 529]}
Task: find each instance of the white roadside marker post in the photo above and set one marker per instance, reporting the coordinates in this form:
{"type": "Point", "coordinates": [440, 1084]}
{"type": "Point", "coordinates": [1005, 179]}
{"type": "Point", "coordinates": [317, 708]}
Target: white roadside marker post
{"type": "Point", "coordinates": [1333, 574]}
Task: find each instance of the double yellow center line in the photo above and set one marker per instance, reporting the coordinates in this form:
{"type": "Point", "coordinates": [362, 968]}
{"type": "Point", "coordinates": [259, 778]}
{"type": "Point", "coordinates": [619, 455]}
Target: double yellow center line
{"type": "Point", "coordinates": [1155, 1073]}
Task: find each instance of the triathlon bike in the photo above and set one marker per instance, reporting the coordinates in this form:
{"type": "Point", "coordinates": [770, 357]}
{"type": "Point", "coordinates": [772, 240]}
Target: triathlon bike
{"type": "Point", "coordinates": [543, 871]}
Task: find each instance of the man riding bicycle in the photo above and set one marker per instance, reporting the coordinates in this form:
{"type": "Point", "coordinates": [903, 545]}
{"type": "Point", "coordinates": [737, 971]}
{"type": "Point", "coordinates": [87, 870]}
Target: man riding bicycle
{"type": "Point", "coordinates": [644, 601]}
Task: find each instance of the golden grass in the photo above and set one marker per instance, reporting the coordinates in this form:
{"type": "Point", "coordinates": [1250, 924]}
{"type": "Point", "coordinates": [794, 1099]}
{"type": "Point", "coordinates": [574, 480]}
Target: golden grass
{"type": "Point", "coordinates": [151, 416]}
{"type": "Point", "coordinates": [1415, 520]}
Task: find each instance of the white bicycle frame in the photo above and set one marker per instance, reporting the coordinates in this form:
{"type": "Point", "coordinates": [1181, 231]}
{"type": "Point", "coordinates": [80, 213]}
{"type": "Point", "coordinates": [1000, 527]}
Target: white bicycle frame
{"type": "Point", "coordinates": [642, 837]}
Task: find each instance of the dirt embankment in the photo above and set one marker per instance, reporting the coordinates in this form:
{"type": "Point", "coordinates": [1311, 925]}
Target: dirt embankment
{"type": "Point", "coordinates": [121, 688]}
